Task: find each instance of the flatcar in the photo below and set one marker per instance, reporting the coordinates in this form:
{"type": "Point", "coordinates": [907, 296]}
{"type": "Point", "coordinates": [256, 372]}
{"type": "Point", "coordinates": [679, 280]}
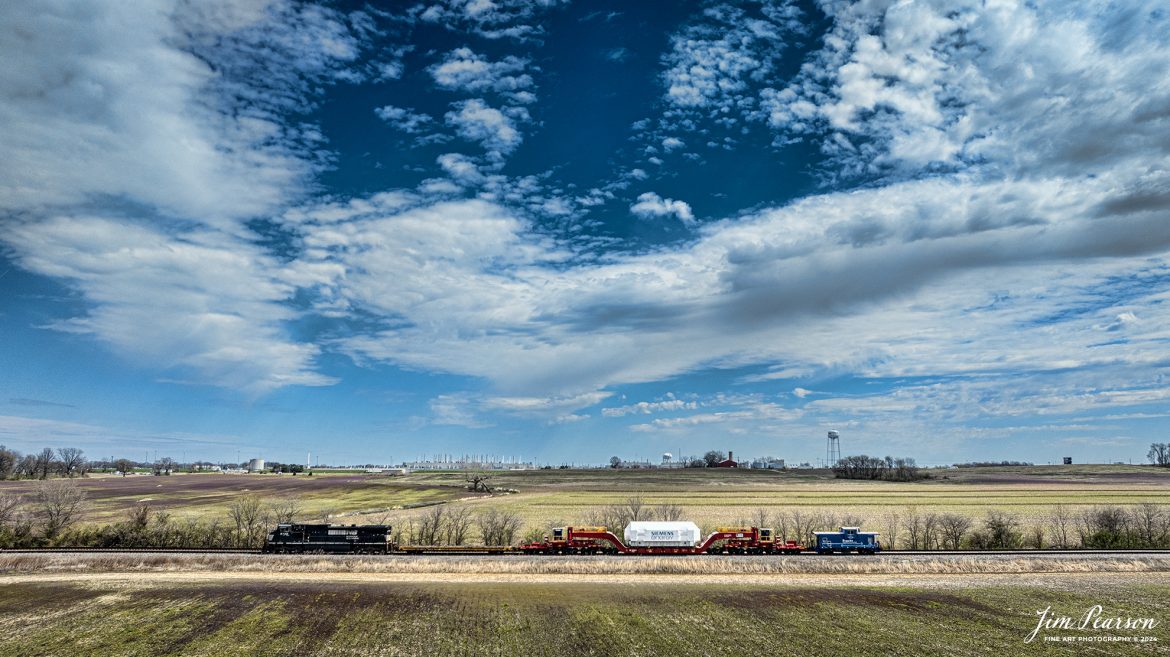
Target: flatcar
{"type": "Point", "coordinates": [849, 539]}
{"type": "Point", "coordinates": [339, 539]}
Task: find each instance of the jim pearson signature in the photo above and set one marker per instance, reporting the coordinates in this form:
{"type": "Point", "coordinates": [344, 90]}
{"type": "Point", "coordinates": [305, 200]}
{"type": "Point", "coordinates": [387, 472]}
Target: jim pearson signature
{"type": "Point", "coordinates": [1093, 619]}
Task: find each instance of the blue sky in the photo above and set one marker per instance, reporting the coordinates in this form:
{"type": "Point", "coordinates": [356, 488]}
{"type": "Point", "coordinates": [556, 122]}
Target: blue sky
{"type": "Point", "coordinates": [565, 230]}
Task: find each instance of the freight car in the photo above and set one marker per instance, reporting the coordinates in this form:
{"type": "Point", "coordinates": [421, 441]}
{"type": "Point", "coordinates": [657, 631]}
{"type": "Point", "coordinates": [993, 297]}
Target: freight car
{"type": "Point", "coordinates": [342, 539]}
{"type": "Point", "coordinates": [849, 539]}
{"type": "Point", "coordinates": [661, 538]}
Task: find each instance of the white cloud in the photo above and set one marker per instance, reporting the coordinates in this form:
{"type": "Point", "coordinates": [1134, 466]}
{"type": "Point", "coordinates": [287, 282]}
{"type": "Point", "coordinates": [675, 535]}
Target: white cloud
{"type": "Point", "coordinates": [496, 130]}
{"type": "Point", "coordinates": [402, 118]}
{"type": "Point", "coordinates": [718, 59]}
{"type": "Point", "coordinates": [1026, 89]}
{"type": "Point", "coordinates": [652, 205]}
{"type": "Point", "coordinates": [138, 141]}
{"type": "Point", "coordinates": [464, 70]}
{"type": "Point", "coordinates": [618, 54]}
{"type": "Point", "coordinates": [646, 408]}
{"type": "Point", "coordinates": [121, 101]}
{"type": "Point", "coordinates": [205, 303]}
{"type": "Point", "coordinates": [490, 19]}
{"type": "Point", "coordinates": [462, 168]}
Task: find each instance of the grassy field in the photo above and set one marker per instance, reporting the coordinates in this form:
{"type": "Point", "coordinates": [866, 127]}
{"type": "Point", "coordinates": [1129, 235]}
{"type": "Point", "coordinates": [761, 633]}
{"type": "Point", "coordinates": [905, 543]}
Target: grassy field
{"type": "Point", "coordinates": [545, 498]}
{"type": "Point", "coordinates": [202, 496]}
{"type": "Point", "coordinates": [517, 567]}
{"type": "Point", "coordinates": [324, 617]}
{"type": "Point", "coordinates": [712, 498]}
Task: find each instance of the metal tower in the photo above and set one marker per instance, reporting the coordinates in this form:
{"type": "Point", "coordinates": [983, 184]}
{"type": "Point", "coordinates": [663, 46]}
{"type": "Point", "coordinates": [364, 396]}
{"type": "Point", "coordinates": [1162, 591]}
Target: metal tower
{"type": "Point", "coordinates": [832, 449]}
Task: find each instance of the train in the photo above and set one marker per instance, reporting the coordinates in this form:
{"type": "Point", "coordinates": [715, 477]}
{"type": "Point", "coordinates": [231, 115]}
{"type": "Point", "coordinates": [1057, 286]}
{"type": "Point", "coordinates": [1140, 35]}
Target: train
{"type": "Point", "coordinates": [330, 539]}
{"type": "Point", "coordinates": [639, 538]}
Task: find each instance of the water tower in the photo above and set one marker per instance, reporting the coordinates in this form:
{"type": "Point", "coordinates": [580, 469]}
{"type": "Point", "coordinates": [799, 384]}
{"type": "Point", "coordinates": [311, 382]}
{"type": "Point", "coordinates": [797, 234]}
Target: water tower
{"type": "Point", "coordinates": [832, 449]}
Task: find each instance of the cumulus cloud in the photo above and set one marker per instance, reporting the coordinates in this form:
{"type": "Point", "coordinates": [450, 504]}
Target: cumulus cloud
{"type": "Point", "coordinates": [903, 87]}
{"type": "Point", "coordinates": [462, 168]}
{"type": "Point", "coordinates": [205, 305]}
{"type": "Point", "coordinates": [1033, 250]}
{"type": "Point", "coordinates": [139, 140]}
{"type": "Point", "coordinates": [402, 118]}
{"type": "Point", "coordinates": [476, 121]}
{"type": "Point", "coordinates": [491, 19]}
{"type": "Point", "coordinates": [464, 70]}
{"type": "Point", "coordinates": [651, 205]}
{"type": "Point", "coordinates": [717, 59]}
{"type": "Point", "coordinates": [113, 101]}
{"type": "Point", "coordinates": [646, 408]}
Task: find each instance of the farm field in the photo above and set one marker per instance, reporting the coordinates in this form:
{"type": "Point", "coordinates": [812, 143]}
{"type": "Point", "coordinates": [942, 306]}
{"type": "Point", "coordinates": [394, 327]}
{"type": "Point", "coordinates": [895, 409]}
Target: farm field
{"type": "Point", "coordinates": [201, 496]}
{"type": "Point", "coordinates": [711, 498]}
{"type": "Point", "coordinates": [714, 498]}
{"type": "Point", "coordinates": [239, 614]}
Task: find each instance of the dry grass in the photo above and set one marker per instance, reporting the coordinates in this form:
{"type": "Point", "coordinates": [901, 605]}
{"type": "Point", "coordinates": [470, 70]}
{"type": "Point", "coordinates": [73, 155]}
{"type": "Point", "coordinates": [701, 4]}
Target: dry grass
{"type": "Point", "coordinates": [23, 564]}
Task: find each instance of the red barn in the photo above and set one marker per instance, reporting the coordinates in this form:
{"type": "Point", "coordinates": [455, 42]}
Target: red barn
{"type": "Point", "coordinates": [728, 462]}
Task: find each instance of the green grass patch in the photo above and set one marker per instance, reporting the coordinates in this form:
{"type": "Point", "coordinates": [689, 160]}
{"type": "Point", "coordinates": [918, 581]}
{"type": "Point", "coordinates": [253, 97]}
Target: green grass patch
{"type": "Point", "coordinates": [331, 618]}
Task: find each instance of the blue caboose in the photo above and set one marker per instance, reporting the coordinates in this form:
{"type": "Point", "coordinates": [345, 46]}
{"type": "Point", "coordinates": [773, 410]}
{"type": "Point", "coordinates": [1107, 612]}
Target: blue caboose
{"type": "Point", "coordinates": [849, 539]}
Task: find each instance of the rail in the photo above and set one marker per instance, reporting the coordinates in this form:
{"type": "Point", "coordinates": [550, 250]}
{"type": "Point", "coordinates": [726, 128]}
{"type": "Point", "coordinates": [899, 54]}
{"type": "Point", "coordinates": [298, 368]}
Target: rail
{"type": "Point", "coordinates": [513, 551]}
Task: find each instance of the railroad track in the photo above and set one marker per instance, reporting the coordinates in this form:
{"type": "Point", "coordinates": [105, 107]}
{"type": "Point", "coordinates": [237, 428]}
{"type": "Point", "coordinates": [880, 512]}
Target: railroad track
{"type": "Point", "coordinates": [466, 553]}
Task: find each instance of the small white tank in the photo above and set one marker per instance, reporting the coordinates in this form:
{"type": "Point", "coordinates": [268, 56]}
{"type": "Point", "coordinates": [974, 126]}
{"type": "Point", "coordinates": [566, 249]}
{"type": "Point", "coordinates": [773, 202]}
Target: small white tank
{"type": "Point", "coordinates": [662, 534]}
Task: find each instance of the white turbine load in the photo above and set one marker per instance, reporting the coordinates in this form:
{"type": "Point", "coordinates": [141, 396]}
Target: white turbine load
{"type": "Point", "coordinates": [662, 534]}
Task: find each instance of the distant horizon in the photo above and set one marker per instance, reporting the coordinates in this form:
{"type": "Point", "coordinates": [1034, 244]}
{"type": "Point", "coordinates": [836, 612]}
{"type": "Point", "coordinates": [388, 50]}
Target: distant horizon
{"type": "Point", "coordinates": [566, 229]}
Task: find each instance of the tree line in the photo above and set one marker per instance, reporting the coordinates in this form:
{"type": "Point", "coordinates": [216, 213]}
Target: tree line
{"type": "Point", "coordinates": [62, 462]}
{"type": "Point", "coordinates": [874, 468]}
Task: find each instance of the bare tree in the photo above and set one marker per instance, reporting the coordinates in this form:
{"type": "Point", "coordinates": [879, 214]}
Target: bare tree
{"type": "Point", "coordinates": [124, 466]}
{"type": "Point", "coordinates": [285, 510]}
{"type": "Point", "coordinates": [617, 516]}
{"type": "Point", "coordinates": [459, 521]}
{"type": "Point", "coordinates": [29, 466]}
{"type": "Point", "coordinates": [782, 525]}
{"type": "Point", "coordinates": [9, 460]}
{"type": "Point", "coordinates": [1000, 532]}
{"type": "Point", "coordinates": [477, 481]}
{"type": "Point", "coordinates": [1159, 454]}
{"type": "Point", "coordinates": [930, 531]}
{"type": "Point", "coordinates": [10, 506]}
{"type": "Point", "coordinates": [431, 525]}
{"type": "Point", "coordinates": [913, 528]}
{"type": "Point", "coordinates": [498, 527]}
{"type": "Point", "coordinates": [802, 525]}
{"type": "Point", "coordinates": [1062, 522]}
{"type": "Point", "coordinates": [952, 528]}
{"type": "Point", "coordinates": [668, 512]}
{"type": "Point", "coordinates": [70, 461]}
{"type": "Point", "coordinates": [714, 458]}
{"type": "Point", "coordinates": [44, 463]}
{"type": "Point", "coordinates": [1151, 524]}
{"type": "Point", "coordinates": [1035, 536]}
{"type": "Point", "coordinates": [636, 509]}
{"type": "Point", "coordinates": [58, 505]}
{"type": "Point", "coordinates": [247, 512]}
{"type": "Point", "coordinates": [761, 517]}
{"type": "Point", "coordinates": [891, 529]}
{"type": "Point", "coordinates": [164, 466]}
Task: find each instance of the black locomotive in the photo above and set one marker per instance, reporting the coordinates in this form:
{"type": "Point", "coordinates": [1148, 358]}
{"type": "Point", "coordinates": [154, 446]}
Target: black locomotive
{"type": "Point", "coordinates": [341, 539]}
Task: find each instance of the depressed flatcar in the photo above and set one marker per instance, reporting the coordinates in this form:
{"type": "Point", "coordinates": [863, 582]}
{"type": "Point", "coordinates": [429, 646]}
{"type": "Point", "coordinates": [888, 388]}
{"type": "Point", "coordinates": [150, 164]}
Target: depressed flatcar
{"type": "Point", "coordinates": [339, 539]}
